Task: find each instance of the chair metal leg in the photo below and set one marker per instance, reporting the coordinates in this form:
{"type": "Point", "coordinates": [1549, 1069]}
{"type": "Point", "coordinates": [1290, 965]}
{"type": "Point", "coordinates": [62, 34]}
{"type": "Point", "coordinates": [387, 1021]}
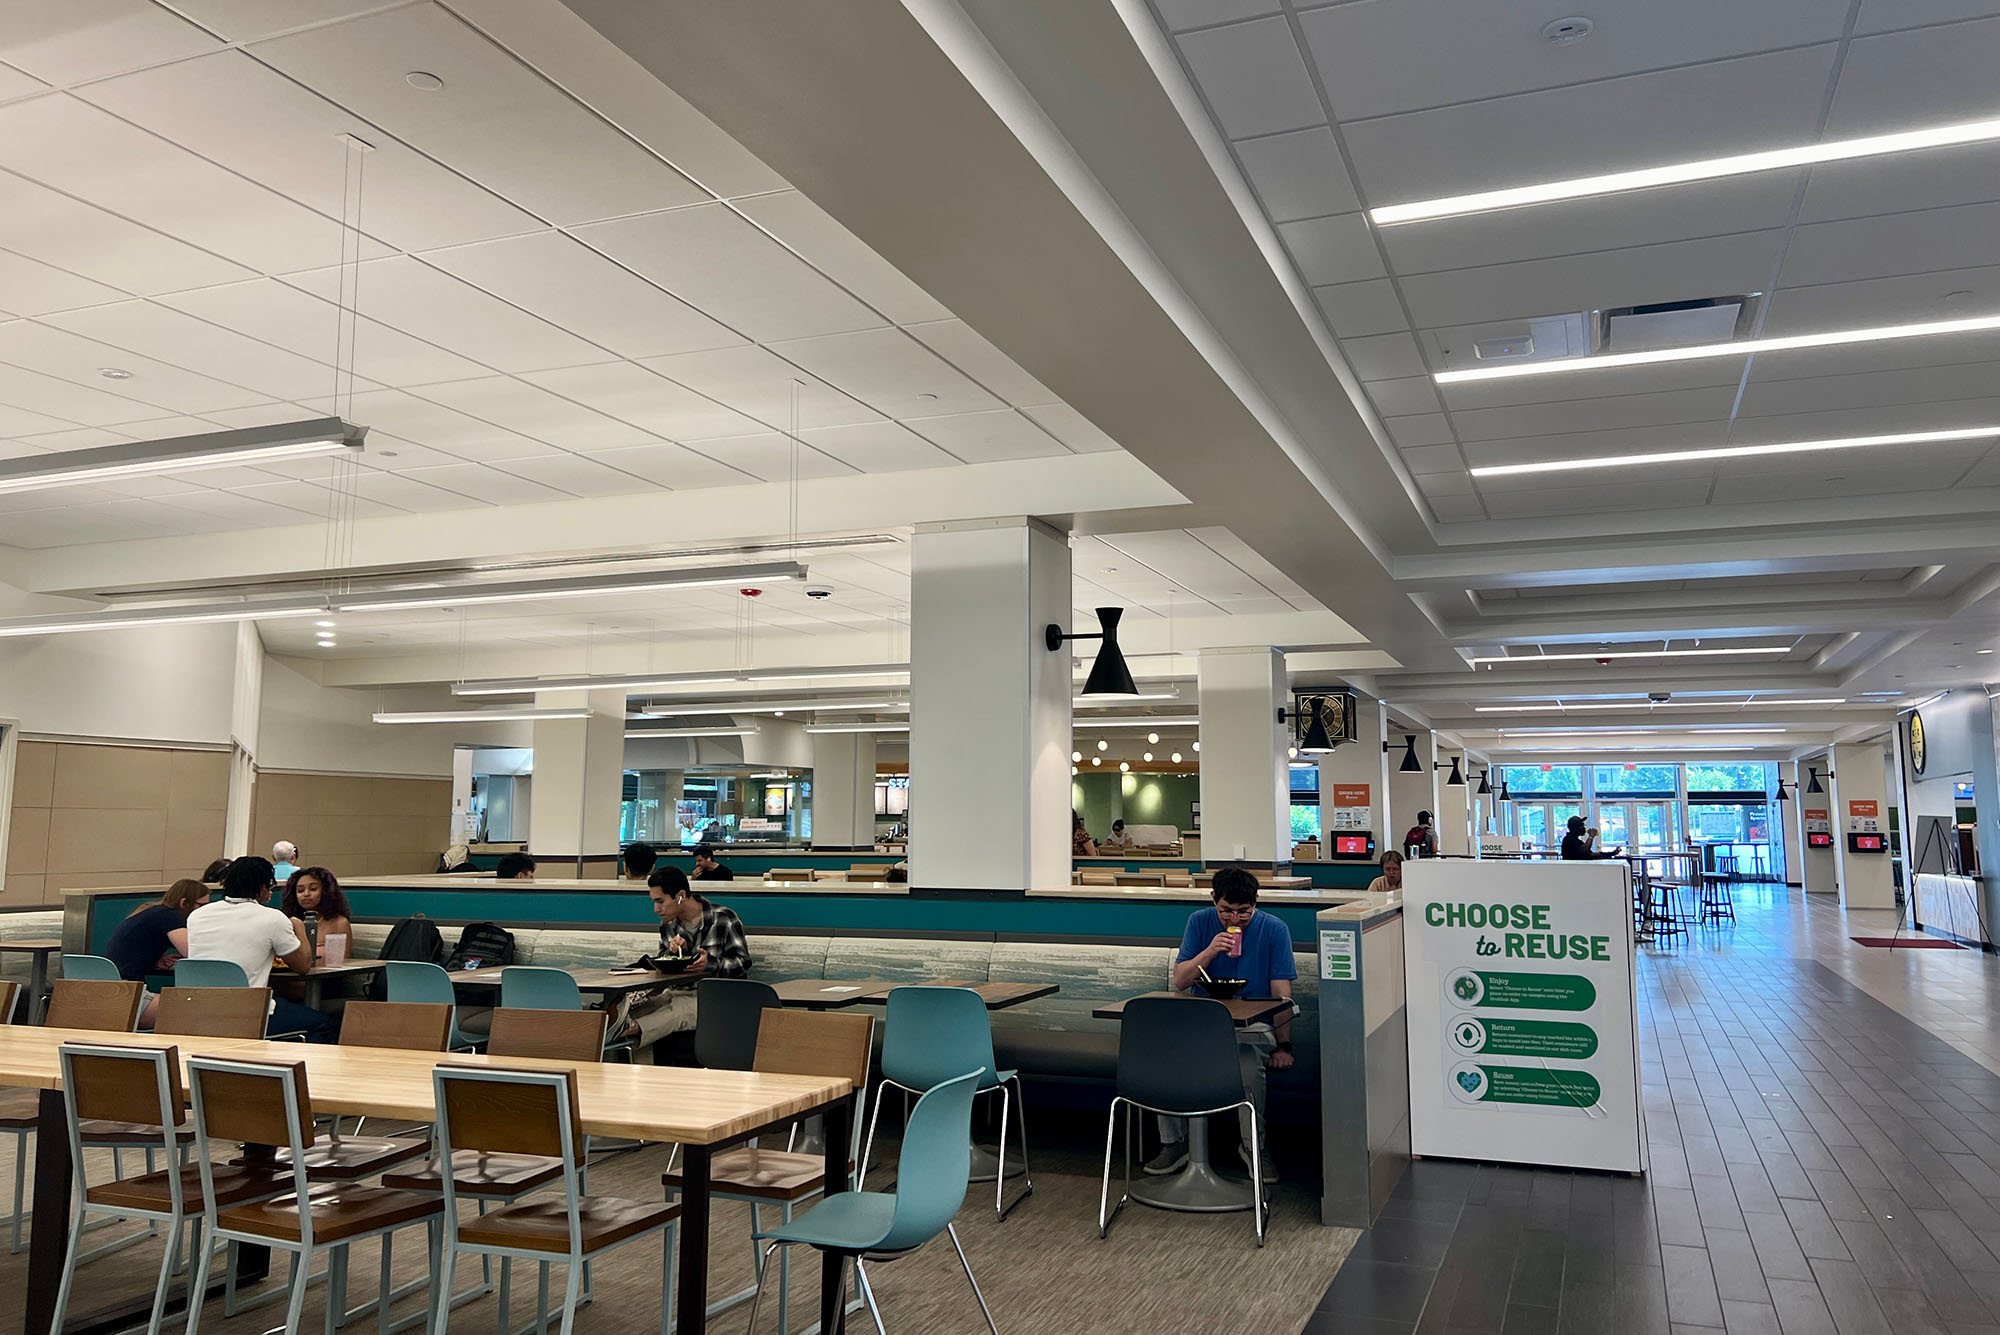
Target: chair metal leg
{"type": "Point", "coordinates": [1256, 1173]}
{"type": "Point", "coordinates": [542, 1301]}
{"type": "Point", "coordinates": [571, 1292]}
{"type": "Point", "coordinates": [868, 1145]}
{"type": "Point", "coordinates": [1104, 1187]}
{"type": "Point", "coordinates": [757, 1296]}
{"type": "Point", "coordinates": [1021, 1125]}
{"type": "Point", "coordinates": [198, 1286]}
{"type": "Point", "coordinates": [959, 1247]}
{"type": "Point", "coordinates": [442, 1305]}
{"type": "Point", "coordinates": [336, 1289]}
{"type": "Point", "coordinates": [868, 1295]}
{"type": "Point", "coordinates": [785, 1281]}
{"type": "Point", "coordinates": [294, 1310]}
{"type": "Point", "coordinates": [169, 1263]}
{"type": "Point", "coordinates": [667, 1283]}
{"type": "Point", "coordinates": [384, 1288]}
{"type": "Point", "coordinates": [69, 1272]}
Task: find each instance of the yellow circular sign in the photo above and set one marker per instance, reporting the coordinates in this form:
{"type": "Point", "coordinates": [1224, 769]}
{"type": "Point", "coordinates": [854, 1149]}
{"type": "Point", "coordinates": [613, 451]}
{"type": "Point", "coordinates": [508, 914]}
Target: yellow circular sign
{"type": "Point", "coordinates": [1917, 749]}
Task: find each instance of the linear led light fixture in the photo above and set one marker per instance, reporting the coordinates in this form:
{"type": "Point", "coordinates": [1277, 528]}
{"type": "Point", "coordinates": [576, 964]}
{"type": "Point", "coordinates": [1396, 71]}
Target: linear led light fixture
{"type": "Point", "coordinates": [1741, 347]}
{"type": "Point", "coordinates": [656, 681]}
{"type": "Point", "coordinates": [1628, 731]}
{"type": "Point", "coordinates": [176, 454]}
{"type": "Point", "coordinates": [1668, 748]}
{"type": "Point", "coordinates": [1092, 725]}
{"type": "Point", "coordinates": [1584, 706]}
{"type": "Point", "coordinates": [766, 707]}
{"type": "Point", "coordinates": [1736, 451]}
{"type": "Point", "coordinates": [1629, 653]}
{"type": "Point", "coordinates": [482, 716]}
{"type": "Point", "coordinates": [185, 615]}
{"type": "Point", "coordinates": [857, 727]}
{"type": "Point", "coordinates": [580, 587]}
{"type": "Point", "coordinates": [691, 732]}
{"type": "Point", "coordinates": [1681, 173]}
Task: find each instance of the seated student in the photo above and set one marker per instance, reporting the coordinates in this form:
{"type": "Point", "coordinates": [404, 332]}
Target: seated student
{"type": "Point", "coordinates": [1081, 845]}
{"type": "Point", "coordinates": [315, 890]}
{"type": "Point", "coordinates": [515, 867]}
{"type": "Point", "coordinates": [213, 876]}
{"type": "Point", "coordinates": [639, 861]}
{"type": "Point", "coordinates": [149, 940]}
{"type": "Point", "coordinates": [1117, 838]}
{"type": "Point", "coordinates": [284, 859]}
{"type": "Point", "coordinates": [239, 927]}
{"type": "Point", "coordinates": [1392, 874]}
{"type": "Point", "coordinates": [689, 925]}
{"type": "Point", "coordinates": [706, 868]}
{"type": "Point", "coordinates": [1580, 845]}
{"type": "Point", "coordinates": [1263, 959]}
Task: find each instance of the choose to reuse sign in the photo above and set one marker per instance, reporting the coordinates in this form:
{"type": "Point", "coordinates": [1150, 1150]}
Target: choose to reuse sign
{"type": "Point", "coordinates": [1523, 1046]}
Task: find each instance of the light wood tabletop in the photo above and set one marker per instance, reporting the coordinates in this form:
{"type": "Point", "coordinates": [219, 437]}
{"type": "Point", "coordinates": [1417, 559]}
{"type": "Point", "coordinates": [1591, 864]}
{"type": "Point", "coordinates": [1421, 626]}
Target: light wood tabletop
{"type": "Point", "coordinates": [1242, 1010]}
{"type": "Point", "coordinates": [606, 982]}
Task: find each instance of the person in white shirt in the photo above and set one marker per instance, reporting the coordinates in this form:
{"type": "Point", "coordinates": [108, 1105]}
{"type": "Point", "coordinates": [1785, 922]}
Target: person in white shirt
{"type": "Point", "coordinates": [240, 928]}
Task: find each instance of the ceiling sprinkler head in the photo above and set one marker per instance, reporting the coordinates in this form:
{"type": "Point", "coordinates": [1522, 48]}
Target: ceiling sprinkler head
{"type": "Point", "coordinates": [1566, 32]}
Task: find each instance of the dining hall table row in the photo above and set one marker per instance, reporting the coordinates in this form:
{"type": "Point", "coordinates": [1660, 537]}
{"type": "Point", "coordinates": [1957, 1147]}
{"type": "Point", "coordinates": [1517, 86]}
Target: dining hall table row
{"type": "Point", "coordinates": [704, 1111]}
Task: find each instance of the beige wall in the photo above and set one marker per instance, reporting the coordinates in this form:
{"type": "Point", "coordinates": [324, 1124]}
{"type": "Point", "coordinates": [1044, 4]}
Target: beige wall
{"type": "Point", "coordinates": [87, 815]}
{"type": "Point", "coordinates": [356, 825]}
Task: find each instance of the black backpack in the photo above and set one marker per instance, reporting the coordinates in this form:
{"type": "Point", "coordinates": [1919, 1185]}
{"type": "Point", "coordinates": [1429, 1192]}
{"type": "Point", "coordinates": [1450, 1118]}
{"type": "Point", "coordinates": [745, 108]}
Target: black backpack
{"type": "Point", "coordinates": [491, 945]}
{"type": "Point", "coordinates": [416, 940]}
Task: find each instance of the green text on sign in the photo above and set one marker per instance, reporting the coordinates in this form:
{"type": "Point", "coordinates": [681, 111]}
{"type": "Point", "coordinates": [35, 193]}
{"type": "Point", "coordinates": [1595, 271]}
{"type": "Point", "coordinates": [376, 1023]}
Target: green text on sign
{"type": "Point", "coordinates": [1543, 1088]}
{"type": "Point", "coordinates": [1535, 1038]}
{"type": "Point", "coordinates": [1537, 991]}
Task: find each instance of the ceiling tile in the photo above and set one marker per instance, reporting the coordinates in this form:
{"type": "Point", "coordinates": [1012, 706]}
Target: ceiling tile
{"type": "Point", "coordinates": [1298, 174]}
{"type": "Point", "coordinates": [761, 385]}
{"type": "Point", "coordinates": [675, 467]}
{"type": "Point", "coordinates": [495, 120]}
{"type": "Point", "coordinates": [1434, 459]}
{"type": "Point", "coordinates": [248, 20]}
{"type": "Point", "coordinates": [70, 234]}
{"type": "Point", "coordinates": [68, 43]}
{"type": "Point", "coordinates": [1546, 501]}
{"type": "Point", "coordinates": [722, 265]}
{"type": "Point", "coordinates": [20, 422]}
{"type": "Point", "coordinates": [959, 344]}
{"type": "Point", "coordinates": [1434, 485]}
{"type": "Point", "coordinates": [878, 447]}
{"type": "Point", "coordinates": [486, 484]}
{"type": "Point", "coordinates": [772, 457]}
{"type": "Point", "coordinates": [1378, 59]}
{"type": "Point", "coordinates": [71, 402]}
{"type": "Point", "coordinates": [1333, 250]}
{"type": "Point", "coordinates": [170, 336]}
{"type": "Point", "coordinates": [1397, 398]}
{"type": "Point", "coordinates": [979, 438]}
{"type": "Point", "coordinates": [442, 428]}
{"type": "Point", "coordinates": [1181, 14]}
{"type": "Point", "coordinates": [571, 285]}
{"type": "Point", "coordinates": [29, 287]}
{"type": "Point", "coordinates": [1882, 15]}
{"type": "Point", "coordinates": [1072, 428]}
{"type": "Point", "coordinates": [302, 323]}
{"type": "Point", "coordinates": [1831, 252]}
{"type": "Point", "coordinates": [1384, 356]}
{"type": "Point", "coordinates": [645, 399]}
{"type": "Point", "coordinates": [1254, 77]}
{"type": "Point", "coordinates": [1355, 310]}
{"type": "Point", "coordinates": [805, 228]}
{"type": "Point", "coordinates": [1457, 509]}
{"type": "Point", "coordinates": [71, 357]}
{"type": "Point", "coordinates": [1935, 178]}
{"type": "Point", "coordinates": [1418, 431]}
{"type": "Point", "coordinates": [535, 412]}
{"type": "Point", "coordinates": [13, 84]}
{"type": "Point", "coordinates": [1632, 410]}
{"type": "Point", "coordinates": [1897, 299]}
{"type": "Point", "coordinates": [309, 498]}
{"type": "Point", "coordinates": [407, 294]}
{"type": "Point", "coordinates": [889, 371]}
{"type": "Point", "coordinates": [1901, 81]}
{"type": "Point", "coordinates": [256, 122]}
{"type": "Point", "coordinates": [579, 476]}
{"type": "Point", "coordinates": [406, 493]}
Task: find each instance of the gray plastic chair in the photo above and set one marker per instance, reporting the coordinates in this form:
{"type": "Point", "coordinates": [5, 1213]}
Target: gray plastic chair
{"type": "Point", "coordinates": [1177, 1056]}
{"type": "Point", "coordinates": [94, 967]}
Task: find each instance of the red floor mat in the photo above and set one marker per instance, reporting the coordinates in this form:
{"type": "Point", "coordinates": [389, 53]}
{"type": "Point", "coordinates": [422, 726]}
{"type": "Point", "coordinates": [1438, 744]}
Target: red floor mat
{"type": "Point", "coordinates": [1906, 942]}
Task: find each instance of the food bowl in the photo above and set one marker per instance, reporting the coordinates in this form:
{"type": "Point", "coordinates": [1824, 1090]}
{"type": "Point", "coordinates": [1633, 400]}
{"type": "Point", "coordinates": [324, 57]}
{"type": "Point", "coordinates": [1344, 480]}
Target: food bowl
{"type": "Point", "coordinates": [672, 963]}
{"type": "Point", "coordinates": [1222, 989]}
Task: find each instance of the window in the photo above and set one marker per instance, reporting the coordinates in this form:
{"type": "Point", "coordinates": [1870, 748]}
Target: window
{"type": "Point", "coordinates": [1305, 778]}
{"type": "Point", "coordinates": [1649, 780]}
{"type": "Point", "coordinates": [1745, 778]}
{"type": "Point", "coordinates": [1305, 822]}
{"type": "Point", "coordinates": [1544, 780]}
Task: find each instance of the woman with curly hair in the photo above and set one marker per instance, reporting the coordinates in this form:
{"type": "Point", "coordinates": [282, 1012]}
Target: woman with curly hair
{"type": "Point", "coordinates": [317, 890]}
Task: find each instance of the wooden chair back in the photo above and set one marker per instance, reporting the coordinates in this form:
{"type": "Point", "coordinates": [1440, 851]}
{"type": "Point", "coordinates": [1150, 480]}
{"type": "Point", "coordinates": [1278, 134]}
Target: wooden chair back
{"type": "Point", "coordinates": [789, 874]}
{"type": "Point", "coordinates": [213, 1012]}
{"type": "Point", "coordinates": [123, 1086]}
{"type": "Point", "coordinates": [247, 1102]}
{"type": "Point", "coordinates": [822, 874]}
{"type": "Point", "coordinates": [9, 994]}
{"type": "Point", "coordinates": [822, 1043]}
{"type": "Point", "coordinates": [411, 1025]}
{"type": "Point", "coordinates": [85, 1003]}
{"type": "Point", "coordinates": [508, 1116]}
{"type": "Point", "coordinates": [868, 871]}
{"type": "Point", "coordinates": [564, 1036]}
{"type": "Point", "coordinates": [1139, 878]}
{"type": "Point", "coordinates": [1093, 876]}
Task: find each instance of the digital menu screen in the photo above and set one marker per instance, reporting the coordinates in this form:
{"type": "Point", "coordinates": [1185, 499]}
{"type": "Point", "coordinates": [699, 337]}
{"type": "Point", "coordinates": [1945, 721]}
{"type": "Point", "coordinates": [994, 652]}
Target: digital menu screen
{"type": "Point", "coordinates": [1819, 839]}
{"type": "Point", "coordinates": [1865, 843]}
{"type": "Point", "coordinates": [1352, 845]}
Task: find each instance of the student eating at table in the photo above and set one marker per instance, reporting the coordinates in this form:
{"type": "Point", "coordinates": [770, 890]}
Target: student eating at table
{"type": "Point", "coordinates": [1232, 940]}
{"type": "Point", "coordinates": [690, 926]}
{"type": "Point", "coordinates": [241, 928]}
{"type": "Point", "coordinates": [316, 891]}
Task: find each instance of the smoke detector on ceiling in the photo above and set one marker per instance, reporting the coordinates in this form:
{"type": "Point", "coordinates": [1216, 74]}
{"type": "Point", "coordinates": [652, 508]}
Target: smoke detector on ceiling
{"type": "Point", "coordinates": [1566, 32]}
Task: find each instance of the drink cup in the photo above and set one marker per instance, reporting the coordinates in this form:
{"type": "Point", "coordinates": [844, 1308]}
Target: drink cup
{"type": "Point", "coordinates": [1235, 942]}
{"type": "Point", "coordinates": [335, 948]}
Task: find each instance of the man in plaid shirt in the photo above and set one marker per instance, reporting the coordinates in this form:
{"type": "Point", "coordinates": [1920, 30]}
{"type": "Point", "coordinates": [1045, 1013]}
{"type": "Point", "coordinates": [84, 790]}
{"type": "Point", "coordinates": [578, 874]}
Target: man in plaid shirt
{"type": "Point", "coordinates": [689, 925]}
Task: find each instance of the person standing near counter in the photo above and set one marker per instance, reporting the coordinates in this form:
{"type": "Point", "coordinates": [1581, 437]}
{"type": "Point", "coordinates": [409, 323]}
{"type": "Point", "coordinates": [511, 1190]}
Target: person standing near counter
{"type": "Point", "coordinates": [1392, 874]}
{"type": "Point", "coordinates": [1233, 940]}
{"type": "Point", "coordinates": [706, 868]}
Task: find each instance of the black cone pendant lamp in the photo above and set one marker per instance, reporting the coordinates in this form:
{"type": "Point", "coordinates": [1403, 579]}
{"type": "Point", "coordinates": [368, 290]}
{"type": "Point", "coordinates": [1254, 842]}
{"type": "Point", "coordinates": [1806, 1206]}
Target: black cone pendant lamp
{"type": "Point", "coordinates": [1454, 779]}
{"type": "Point", "coordinates": [1108, 675]}
{"type": "Point", "coordinates": [1485, 781]}
{"type": "Point", "coordinates": [1814, 786]}
{"type": "Point", "coordinates": [1409, 764]}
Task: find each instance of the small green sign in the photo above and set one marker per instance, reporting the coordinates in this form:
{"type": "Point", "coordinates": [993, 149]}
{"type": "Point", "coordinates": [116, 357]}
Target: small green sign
{"type": "Point", "coordinates": [1532, 992]}
{"type": "Point", "coordinates": [1530, 1038]}
{"type": "Point", "coordinates": [1539, 1086]}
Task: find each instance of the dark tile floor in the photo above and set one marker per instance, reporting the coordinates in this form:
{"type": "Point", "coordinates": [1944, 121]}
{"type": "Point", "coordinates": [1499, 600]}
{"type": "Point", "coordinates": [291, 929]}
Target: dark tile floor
{"type": "Point", "coordinates": [1820, 1164]}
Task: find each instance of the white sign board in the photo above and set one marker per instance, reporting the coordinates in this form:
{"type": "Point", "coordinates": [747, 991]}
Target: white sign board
{"type": "Point", "coordinates": [1524, 1043]}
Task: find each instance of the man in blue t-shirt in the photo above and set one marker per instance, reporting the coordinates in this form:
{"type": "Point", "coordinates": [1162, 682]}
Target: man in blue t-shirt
{"type": "Point", "coordinates": [1263, 960]}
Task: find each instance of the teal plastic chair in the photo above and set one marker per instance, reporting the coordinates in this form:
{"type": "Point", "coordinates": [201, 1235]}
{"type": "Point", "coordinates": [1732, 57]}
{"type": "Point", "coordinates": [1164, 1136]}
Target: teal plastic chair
{"type": "Point", "coordinates": [537, 989]}
{"type": "Point", "coordinates": [210, 973]}
{"type": "Point", "coordinates": [882, 1226]}
{"type": "Point", "coordinates": [415, 981]}
{"type": "Point", "coordinates": [95, 968]}
{"type": "Point", "coordinates": [929, 1036]}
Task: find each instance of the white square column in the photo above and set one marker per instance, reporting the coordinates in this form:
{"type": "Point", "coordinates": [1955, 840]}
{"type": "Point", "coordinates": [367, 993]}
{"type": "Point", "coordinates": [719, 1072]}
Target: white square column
{"type": "Point", "coordinates": [579, 780]}
{"type": "Point", "coordinates": [1860, 791]}
{"type": "Point", "coordinates": [990, 706]}
{"type": "Point", "coordinates": [843, 808]}
{"type": "Point", "coordinates": [1246, 809]}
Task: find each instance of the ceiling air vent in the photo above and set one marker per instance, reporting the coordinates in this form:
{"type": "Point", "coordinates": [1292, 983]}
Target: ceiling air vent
{"type": "Point", "coordinates": [1677, 324]}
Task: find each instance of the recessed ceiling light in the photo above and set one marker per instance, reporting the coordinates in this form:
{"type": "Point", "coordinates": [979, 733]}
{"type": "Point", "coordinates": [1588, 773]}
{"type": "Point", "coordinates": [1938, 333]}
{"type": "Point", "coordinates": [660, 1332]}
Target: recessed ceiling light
{"type": "Point", "coordinates": [1124, 767]}
{"type": "Point", "coordinates": [1982, 651]}
{"type": "Point", "coordinates": [927, 398]}
{"type": "Point", "coordinates": [1836, 338]}
{"type": "Point", "coordinates": [1680, 173]}
{"type": "Point", "coordinates": [385, 454]}
{"type": "Point", "coordinates": [1076, 755]}
{"type": "Point", "coordinates": [1104, 746]}
{"type": "Point", "coordinates": [1095, 760]}
{"type": "Point", "coordinates": [114, 373]}
{"type": "Point", "coordinates": [423, 81]}
{"type": "Point", "coordinates": [1566, 32]}
{"type": "Point", "coordinates": [324, 625]}
{"type": "Point", "coordinates": [1736, 452]}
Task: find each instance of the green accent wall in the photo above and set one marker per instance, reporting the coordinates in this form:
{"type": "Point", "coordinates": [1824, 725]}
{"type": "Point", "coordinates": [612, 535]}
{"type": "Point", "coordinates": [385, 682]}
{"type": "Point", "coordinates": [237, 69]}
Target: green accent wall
{"type": "Point", "coordinates": [1136, 799]}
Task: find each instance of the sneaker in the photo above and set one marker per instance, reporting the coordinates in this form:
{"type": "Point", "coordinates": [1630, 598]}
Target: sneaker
{"type": "Point", "coordinates": [1270, 1168]}
{"type": "Point", "coordinates": [1171, 1159]}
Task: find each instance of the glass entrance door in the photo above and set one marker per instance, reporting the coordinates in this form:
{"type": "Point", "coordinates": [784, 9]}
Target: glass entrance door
{"type": "Point", "coordinates": [1541, 824]}
{"type": "Point", "coordinates": [1638, 825]}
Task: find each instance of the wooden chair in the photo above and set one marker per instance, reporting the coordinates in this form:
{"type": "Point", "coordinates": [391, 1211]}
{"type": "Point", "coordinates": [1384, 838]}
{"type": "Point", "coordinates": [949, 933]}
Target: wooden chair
{"type": "Point", "coordinates": [534, 1113]}
{"type": "Point", "coordinates": [868, 871]}
{"type": "Point", "coordinates": [408, 1025]}
{"type": "Point", "coordinates": [213, 1012]}
{"type": "Point", "coordinates": [267, 1103]}
{"type": "Point", "coordinates": [564, 1036]}
{"type": "Point", "coordinates": [139, 1087]}
{"type": "Point", "coordinates": [837, 874]}
{"type": "Point", "coordinates": [789, 1042]}
{"type": "Point", "coordinates": [1158, 878]}
{"type": "Point", "coordinates": [10, 994]}
{"type": "Point", "coordinates": [1097, 876]}
{"type": "Point", "coordinates": [85, 1003]}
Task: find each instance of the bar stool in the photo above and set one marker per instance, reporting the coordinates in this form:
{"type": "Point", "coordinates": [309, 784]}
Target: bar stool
{"type": "Point", "coordinates": [492, 1110]}
{"type": "Point", "coordinates": [536, 989]}
{"type": "Point", "coordinates": [268, 1103]}
{"type": "Point", "coordinates": [928, 1036]}
{"type": "Point", "coordinates": [138, 1087]}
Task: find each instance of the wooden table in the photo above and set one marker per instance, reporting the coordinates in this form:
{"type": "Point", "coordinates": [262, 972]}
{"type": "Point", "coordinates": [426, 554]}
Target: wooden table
{"type": "Point", "coordinates": [999, 996]}
{"type": "Point", "coordinates": [704, 1111]}
{"type": "Point", "coordinates": [825, 994]}
{"type": "Point", "coordinates": [1241, 1010]}
{"type": "Point", "coordinates": [599, 982]}
{"type": "Point", "coordinates": [312, 986]}
{"type": "Point", "coordinates": [38, 968]}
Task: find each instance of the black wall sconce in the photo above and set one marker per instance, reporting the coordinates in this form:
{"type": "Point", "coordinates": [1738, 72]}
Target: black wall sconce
{"type": "Point", "coordinates": [1457, 780]}
{"type": "Point", "coordinates": [1409, 764]}
{"type": "Point", "coordinates": [1108, 674]}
